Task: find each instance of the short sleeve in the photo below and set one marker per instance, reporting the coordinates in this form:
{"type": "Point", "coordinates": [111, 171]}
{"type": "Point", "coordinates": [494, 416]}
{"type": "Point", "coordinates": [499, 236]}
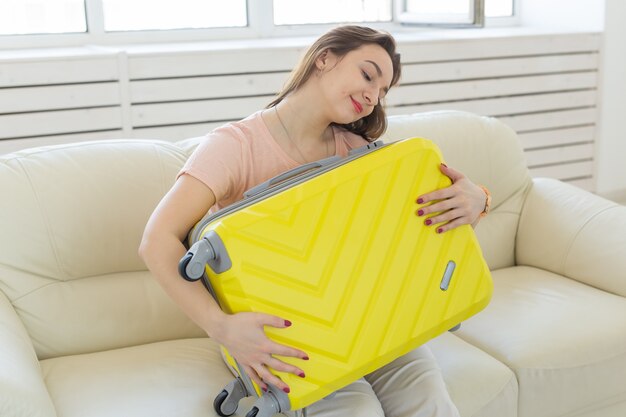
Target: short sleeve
{"type": "Point", "coordinates": [217, 162]}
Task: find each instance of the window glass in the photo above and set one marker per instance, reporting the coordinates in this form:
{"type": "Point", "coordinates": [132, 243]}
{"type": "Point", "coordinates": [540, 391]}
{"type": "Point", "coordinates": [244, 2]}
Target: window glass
{"type": "Point", "coordinates": [498, 8]}
{"type": "Point", "coordinates": [296, 12]}
{"type": "Point", "coordinates": [22, 17]}
{"type": "Point", "coordinates": [124, 15]}
{"type": "Point", "coordinates": [493, 8]}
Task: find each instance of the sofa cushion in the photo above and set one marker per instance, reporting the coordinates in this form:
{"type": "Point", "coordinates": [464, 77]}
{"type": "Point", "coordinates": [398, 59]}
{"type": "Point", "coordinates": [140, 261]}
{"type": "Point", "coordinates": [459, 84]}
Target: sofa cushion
{"type": "Point", "coordinates": [479, 385]}
{"type": "Point", "coordinates": [174, 378]}
{"type": "Point", "coordinates": [72, 225]}
{"type": "Point", "coordinates": [565, 341]}
{"type": "Point", "coordinates": [489, 153]}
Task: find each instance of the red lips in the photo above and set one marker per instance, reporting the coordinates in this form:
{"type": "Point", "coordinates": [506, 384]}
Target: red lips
{"type": "Point", "coordinates": [357, 106]}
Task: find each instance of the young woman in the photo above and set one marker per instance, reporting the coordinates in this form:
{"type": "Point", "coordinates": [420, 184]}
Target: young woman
{"type": "Point", "coordinates": [331, 104]}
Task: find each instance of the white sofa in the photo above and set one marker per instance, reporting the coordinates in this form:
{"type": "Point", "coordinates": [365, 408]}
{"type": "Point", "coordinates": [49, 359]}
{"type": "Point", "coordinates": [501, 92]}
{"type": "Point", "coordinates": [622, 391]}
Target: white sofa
{"type": "Point", "coordinates": [86, 332]}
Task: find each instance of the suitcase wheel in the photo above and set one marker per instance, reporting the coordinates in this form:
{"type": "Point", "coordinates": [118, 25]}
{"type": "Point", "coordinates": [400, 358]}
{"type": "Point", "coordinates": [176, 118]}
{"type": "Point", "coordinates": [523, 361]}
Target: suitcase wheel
{"type": "Point", "coordinates": [219, 401]}
{"type": "Point", "coordinates": [253, 412]}
{"type": "Point", "coordinates": [227, 401]}
{"type": "Point", "coordinates": [182, 267]}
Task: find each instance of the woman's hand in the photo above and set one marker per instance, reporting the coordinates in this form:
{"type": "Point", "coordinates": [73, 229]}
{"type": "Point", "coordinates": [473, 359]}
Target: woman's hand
{"type": "Point", "coordinates": [461, 203]}
{"type": "Point", "coordinates": [243, 334]}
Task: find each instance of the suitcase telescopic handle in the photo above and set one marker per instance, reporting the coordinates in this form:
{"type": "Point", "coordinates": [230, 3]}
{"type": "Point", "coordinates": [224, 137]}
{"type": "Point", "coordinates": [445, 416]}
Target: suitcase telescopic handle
{"type": "Point", "coordinates": [302, 169]}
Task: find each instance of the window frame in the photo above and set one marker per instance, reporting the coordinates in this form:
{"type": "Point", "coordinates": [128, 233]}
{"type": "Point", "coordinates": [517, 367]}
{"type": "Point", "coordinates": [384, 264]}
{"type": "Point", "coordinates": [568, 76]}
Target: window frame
{"type": "Point", "coordinates": [260, 25]}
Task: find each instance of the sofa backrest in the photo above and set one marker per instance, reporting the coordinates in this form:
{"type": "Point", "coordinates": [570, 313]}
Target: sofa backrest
{"type": "Point", "coordinates": [71, 218]}
{"type": "Point", "coordinates": [489, 153]}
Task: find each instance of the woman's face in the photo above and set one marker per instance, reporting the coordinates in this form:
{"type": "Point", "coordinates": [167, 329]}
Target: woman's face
{"type": "Point", "coordinates": [354, 84]}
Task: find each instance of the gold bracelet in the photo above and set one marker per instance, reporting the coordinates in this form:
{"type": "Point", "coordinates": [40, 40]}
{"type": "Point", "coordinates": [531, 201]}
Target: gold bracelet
{"type": "Point", "coordinates": [487, 201]}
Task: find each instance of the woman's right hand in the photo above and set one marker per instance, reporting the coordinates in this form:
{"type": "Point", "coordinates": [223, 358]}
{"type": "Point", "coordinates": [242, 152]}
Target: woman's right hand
{"type": "Point", "coordinates": [243, 335]}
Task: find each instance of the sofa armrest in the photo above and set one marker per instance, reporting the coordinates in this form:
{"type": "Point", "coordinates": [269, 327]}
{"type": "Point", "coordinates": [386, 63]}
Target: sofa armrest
{"type": "Point", "coordinates": [572, 232]}
{"type": "Point", "coordinates": [22, 389]}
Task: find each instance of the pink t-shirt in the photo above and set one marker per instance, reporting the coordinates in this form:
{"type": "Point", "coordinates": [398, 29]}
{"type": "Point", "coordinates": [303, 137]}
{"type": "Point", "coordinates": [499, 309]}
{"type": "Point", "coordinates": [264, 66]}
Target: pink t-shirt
{"type": "Point", "coordinates": [237, 156]}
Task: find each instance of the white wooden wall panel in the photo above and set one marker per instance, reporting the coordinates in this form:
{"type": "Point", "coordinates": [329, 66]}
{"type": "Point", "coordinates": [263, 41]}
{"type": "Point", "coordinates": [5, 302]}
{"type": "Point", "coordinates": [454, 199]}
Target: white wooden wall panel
{"type": "Point", "coordinates": [57, 71]}
{"type": "Point", "coordinates": [58, 122]}
{"type": "Point", "coordinates": [542, 85]}
{"type": "Point", "coordinates": [180, 64]}
{"type": "Point", "coordinates": [542, 157]}
{"type": "Point", "coordinates": [12, 145]}
{"type": "Point", "coordinates": [498, 67]}
{"type": "Point", "coordinates": [195, 111]}
{"type": "Point", "coordinates": [551, 120]}
{"type": "Point", "coordinates": [565, 172]}
{"type": "Point", "coordinates": [182, 89]}
{"type": "Point", "coordinates": [19, 100]}
{"type": "Point", "coordinates": [481, 48]}
{"type": "Point", "coordinates": [557, 137]}
{"type": "Point", "coordinates": [493, 87]}
{"type": "Point", "coordinates": [176, 132]}
{"type": "Point", "coordinates": [508, 105]}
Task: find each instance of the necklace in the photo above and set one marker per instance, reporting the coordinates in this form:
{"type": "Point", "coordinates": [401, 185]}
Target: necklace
{"type": "Point", "coordinates": [291, 140]}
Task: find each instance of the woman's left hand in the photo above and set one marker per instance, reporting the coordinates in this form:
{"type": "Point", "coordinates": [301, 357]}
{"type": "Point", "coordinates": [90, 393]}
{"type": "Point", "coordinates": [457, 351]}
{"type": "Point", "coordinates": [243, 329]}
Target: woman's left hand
{"type": "Point", "coordinates": [461, 203]}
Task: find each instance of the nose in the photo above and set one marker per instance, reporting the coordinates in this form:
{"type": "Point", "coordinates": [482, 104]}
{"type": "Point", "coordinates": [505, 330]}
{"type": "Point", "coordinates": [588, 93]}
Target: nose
{"type": "Point", "coordinates": [371, 97]}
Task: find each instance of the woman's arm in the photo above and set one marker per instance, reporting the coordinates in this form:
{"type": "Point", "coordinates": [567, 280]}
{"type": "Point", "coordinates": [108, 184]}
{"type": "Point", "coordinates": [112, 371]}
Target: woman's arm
{"type": "Point", "coordinates": [461, 203]}
{"type": "Point", "coordinates": [242, 333]}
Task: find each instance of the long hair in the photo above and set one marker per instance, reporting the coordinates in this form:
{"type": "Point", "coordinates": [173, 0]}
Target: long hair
{"type": "Point", "coordinates": [340, 41]}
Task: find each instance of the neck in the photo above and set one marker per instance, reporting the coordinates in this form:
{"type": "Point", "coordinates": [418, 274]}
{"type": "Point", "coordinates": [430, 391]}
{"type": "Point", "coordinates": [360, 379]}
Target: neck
{"type": "Point", "coordinates": [304, 120]}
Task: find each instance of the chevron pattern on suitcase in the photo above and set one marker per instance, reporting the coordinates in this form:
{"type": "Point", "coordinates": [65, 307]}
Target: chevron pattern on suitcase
{"type": "Point", "coordinates": [344, 257]}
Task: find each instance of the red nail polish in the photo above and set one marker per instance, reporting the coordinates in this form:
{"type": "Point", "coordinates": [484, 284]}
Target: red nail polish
{"type": "Point", "coordinates": [306, 358]}
{"type": "Point", "coordinates": [420, 212]}
{"type": "Point", "coordinates": [440, 230]}
{"type": "Point", "coordinates": [420, 200]}
{"type": "Point", "coordinates": [301, 374]}
{"type": "Point", "coordinates": [264, 389]}
{"type": "Point", "coordinates": [287, 323]}
{"type": "Point", "coordinates": [287, 390]}
{"type": "Point", "coordinates": [428, 222]}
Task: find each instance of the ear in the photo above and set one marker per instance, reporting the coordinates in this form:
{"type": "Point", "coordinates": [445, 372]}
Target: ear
{"type": "Point", "coordinates": [322, 60]}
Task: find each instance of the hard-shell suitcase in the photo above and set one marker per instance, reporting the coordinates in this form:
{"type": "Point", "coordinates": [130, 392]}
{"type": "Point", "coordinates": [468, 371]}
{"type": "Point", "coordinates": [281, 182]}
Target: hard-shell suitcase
{"type": "Point", "coordinates": [336, 247]}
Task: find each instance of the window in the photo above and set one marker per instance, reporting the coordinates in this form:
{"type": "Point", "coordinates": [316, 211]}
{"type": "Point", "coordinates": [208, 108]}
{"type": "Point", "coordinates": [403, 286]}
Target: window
{"type": "Point", "coordinates": [40, 22]}
{"type": "Point", "coordinates": [453, 12]}
{"type": "Point", "coordinates": [122, 15]}
{"type": "Point", "coordinates": [294, 12]}
{"type": "Point", "coordinates": [25, 17]}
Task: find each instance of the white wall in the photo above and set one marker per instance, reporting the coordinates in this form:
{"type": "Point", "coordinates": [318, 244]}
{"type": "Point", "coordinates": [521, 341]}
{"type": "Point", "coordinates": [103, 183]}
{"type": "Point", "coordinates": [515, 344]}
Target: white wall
{"type": "Point", "coordinates": [611, 139]}
{"type": "Point", "coordinates": [563, 14]}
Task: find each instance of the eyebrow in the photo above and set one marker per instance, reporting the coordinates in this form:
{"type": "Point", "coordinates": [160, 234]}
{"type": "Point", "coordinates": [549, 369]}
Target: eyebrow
{"type": "Point", "coordinates": [379, 72]}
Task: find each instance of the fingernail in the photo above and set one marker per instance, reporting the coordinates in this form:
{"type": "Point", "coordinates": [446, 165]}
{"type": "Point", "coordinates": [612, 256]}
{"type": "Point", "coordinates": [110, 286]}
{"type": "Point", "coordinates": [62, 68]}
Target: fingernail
{"type": "Point", "coordinates": [428, 222]}
{"type": "Point", "coordinates": [444, 165]}
{"type": "Point", "coordinates": [440, 230]}
{"type": "Point", "coordinates": [287, 390]}
{"type": "Point", "coordinates": [287, 323]}
{"type": "Point", "coordinates": [420, 200]}
{"type": "Point", "coordinates": [420, 212]}
{"type": "Point", "coordinates": [264, 389]}
{"type": "Point", "coordinates": [301, 374]}
{"type": "Point", "coordinates": [306, 358]}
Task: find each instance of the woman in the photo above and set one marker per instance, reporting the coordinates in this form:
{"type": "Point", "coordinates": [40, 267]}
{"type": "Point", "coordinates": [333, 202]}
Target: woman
{"type": "Point", "coordinates": [331, 104]}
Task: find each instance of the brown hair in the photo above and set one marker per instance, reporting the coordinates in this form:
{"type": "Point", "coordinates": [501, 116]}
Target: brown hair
{"type": "Point", "coordinates": [340, 41]}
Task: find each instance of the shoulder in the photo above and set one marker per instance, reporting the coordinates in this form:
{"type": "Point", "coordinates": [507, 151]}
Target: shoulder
{"type": "Point", "coordinates": [232, 136]}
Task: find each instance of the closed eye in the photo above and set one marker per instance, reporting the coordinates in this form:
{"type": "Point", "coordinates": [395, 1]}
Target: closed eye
{"type": "Point", "coordinates": [366, 76]}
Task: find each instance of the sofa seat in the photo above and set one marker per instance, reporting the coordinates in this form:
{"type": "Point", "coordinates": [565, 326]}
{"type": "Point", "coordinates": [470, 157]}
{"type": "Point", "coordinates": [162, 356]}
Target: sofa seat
{"type": "Point", "coordinates": [142, 380]}
{"type": "Point", "coordinates": [139, 381]}
{"type": "Point", "coordinates": [565, 341]}
{"type": "Point", "coordinates": [479, 385]}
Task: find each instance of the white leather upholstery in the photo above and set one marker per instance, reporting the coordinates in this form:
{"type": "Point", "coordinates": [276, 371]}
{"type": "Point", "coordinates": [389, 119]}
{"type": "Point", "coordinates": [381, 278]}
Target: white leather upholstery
{"type": "Point", "coordinates": [565, 341]}
{"type": "Point", "coordinates": [85, 331]}
{"type": "Point", "coordinates": [70, 232]}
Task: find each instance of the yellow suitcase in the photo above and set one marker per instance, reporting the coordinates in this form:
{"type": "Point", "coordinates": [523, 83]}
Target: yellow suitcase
{"type": "Point", "coordinates": [336, 247]}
